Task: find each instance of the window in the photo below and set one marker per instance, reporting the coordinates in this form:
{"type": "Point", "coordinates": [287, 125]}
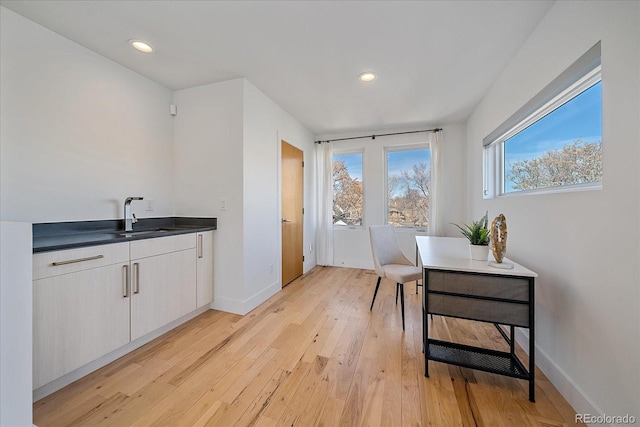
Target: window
{"type": "Point", "coordinates": [562, 148]}
{"type": "Point", "coordinates": [408, 184]}
{"type": "Point", "coordinates": [555, 141]}
{"type": "Point", "coordinates": [347, 189]}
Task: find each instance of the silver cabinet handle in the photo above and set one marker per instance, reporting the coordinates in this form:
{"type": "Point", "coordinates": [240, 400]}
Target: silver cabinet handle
{"type": "Point", "coordinates": [125, 293]}
{"type": "Point", "coordinates": [136, 272]}
{"type": "Point", "coordinates": [286, 220]}
{"type": "Point", "coordinates": [200, 248]}
{"type": "Point", "coordinates": [72, 261]}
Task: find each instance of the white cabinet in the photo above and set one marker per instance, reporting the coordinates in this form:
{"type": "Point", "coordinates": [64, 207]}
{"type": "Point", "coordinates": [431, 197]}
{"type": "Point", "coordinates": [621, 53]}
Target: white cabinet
{"type": "Point", "coordinates": [81, 308]}
{"type": "Point", "coordinates": [204, 275]}
{"type": "Point", "coordinates": [88, 302]}
{"type": "Point", "coordinates": [163, 282]}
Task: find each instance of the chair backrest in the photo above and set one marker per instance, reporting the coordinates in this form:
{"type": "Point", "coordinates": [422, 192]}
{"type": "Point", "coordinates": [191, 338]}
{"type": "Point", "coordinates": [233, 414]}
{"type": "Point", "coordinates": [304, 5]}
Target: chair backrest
{"type": "Point", "coordinates": [385, 248]}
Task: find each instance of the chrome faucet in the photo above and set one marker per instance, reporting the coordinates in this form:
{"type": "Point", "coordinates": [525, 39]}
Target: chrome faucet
{"type": "Point", "coordinates": [129, 219]}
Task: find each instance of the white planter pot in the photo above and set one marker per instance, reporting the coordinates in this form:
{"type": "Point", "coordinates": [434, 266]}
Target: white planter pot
{"type": "Point", "coordinates": [479, 252]}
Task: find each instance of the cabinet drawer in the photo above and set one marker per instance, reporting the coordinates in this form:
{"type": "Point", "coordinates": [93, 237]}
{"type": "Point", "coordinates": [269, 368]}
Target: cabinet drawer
{"type": "Point", "coordinates": [49, 264]}
{"type": "Point", "coordinates": [476, 309]}
{"type": "Point", "coordinates": [162, 245]}
{"type": "Point", "coordinates": [513, 288]}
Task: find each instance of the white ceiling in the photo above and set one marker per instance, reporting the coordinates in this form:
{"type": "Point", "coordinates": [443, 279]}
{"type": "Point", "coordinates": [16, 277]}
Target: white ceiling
{"type": "Point", "coordinates": [435, 60]}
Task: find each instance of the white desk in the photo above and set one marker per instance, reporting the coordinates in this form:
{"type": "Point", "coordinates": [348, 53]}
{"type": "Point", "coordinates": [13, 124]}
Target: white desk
{"type": "Point", "coordinates": [456, 286]}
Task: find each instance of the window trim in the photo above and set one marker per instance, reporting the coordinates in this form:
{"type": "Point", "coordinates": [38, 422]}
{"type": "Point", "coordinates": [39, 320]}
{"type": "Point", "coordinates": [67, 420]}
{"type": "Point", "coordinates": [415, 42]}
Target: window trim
{"type": "Point", "coordinates": [342, 152]}
{"type": "Point", "coordinates": [391, 148]}
{"type": "Point", "coordinates": [578, 78]}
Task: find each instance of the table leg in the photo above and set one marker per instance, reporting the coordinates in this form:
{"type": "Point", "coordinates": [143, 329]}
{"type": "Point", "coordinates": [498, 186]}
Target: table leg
{"type": "Point", "coordinates": [417, 266]}
{"type": "Point", "coordinates": [532, 342]}
{"type": "Point", "coordinates": [425, 324]}
{"type": "Point", "coordinates": [512, 341]}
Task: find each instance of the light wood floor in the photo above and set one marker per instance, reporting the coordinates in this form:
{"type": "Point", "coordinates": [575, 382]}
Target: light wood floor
{"type": "Point", "coordinates": [312, 355]}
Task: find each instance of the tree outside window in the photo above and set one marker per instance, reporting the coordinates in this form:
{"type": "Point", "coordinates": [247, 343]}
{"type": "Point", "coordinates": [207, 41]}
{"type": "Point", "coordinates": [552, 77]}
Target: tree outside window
{"type": "Point", "coordinates": [348, 202]}
{"type": "Point", "coordinates": [562, 148]}
{"type": "Point", "coordinates": [408, 187]}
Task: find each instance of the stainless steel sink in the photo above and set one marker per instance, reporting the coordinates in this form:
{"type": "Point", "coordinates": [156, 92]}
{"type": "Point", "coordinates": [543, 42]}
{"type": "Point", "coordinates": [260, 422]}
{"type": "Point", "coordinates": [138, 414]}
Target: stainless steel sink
{"type": "Point", "coordinates": [143, 232]}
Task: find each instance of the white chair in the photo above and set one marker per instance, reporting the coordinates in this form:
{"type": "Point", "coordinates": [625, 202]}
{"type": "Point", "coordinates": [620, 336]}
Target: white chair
{"type": "Point", "coordinates": [390, 262]}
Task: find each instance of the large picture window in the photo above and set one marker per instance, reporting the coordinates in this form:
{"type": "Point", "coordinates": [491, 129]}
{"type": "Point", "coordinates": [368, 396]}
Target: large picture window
{"type": "Point", "coordinates": [408, 186]}
{"type": "Point", "coordinates": [555, 141]}
{"type": "Point", "coordinates": [348, 201]}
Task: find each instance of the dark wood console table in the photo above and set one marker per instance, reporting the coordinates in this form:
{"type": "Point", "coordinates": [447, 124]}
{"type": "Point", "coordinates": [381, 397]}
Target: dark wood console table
{"type": "Point", "coordinates": [456, 286]}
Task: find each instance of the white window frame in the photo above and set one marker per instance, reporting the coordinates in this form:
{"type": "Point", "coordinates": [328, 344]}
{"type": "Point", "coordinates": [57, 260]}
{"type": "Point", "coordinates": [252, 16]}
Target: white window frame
{"type": "Point", "coordinates": [342, 152]}
{"type": "Point", "coordinates": [391, 148]}
{"type": "Point", "coordinates": [579, 77]}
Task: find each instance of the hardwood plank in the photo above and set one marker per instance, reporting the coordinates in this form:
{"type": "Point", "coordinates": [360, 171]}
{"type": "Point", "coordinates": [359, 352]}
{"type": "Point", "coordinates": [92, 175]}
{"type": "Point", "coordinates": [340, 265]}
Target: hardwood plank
{"type": "Point", "coordinates": [331, 412]}
{"type": "Point", "coordinates": [255, 410]}
{"type": "Point", "coordinates": [130, 384]}
{"type": "Point", "coordinates": [376, 412]}
{"type": "Point", "coordinates": [283, 396]}
{"type": "Point", "coordinates": [311, 355]}
{"type": "Point", "coordinates": [466, 404]}
{"type": "Point", "coordinates": [205, 417]}
{"type": "Point", "coordinates": [83, 390]}
{"type": "Point", "coordinates": [78, 412]}
{"type": "Point", "coordinates": [261, 377]}
{"type": "Point", "coordinates": [123, 410]}
{"type": "Point", "coordinates": [295, 410]}
{"type": "Point", "coordinates": [102, 411]}
{"type": "Point", "coordinates": [316, 399]}
{"type": "Point", "coordinates": [496, 407]}
{"type": "Point", "coordinates": [193, 398]}
{"type": "Point", "coordinates": [410, 377]}
{"type": "Point", "coordinates": [347, 353]}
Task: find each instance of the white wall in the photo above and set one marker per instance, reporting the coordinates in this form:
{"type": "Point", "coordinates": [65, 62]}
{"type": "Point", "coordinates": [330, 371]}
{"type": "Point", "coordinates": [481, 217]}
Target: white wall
{"type": "Point", "coordinates": [454, 156]}
{"type": "Point", "coordinates": [79, 133]}
{"type": "Point", "coordinates": [265, 126]}
{"type": "Point", "coordinates": [208, 167]}
{"type": "Point", "coordinates": [351, 245]}
{"type": "Point", "coordinates": [227, 138]}
{"type": "Point", "coordinates": [583, 245]}
{"type": "Point", "coordinates": [16, 309]}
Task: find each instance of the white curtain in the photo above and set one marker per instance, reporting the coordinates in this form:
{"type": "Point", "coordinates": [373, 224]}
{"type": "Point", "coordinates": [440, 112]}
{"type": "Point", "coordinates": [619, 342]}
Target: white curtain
{"type": "Point", "coordinates": [436, 227]}
{"type": "Point", "coordinates": [324, 233]}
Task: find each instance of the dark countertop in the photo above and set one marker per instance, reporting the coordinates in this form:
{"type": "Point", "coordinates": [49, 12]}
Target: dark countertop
{"type": "Point", "coordinates": [53, 236]}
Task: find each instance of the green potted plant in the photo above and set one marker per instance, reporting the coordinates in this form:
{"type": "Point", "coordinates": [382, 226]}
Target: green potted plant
{"type": "Point", "coordinates": [478, 235]}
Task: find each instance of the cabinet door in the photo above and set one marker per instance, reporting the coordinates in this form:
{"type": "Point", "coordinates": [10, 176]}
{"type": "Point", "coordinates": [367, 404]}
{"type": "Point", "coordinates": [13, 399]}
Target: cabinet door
{"type": "Point", "coordinates": [77, 318]}
{"type": "Point", "coordinates": [204, 276]}
{"type": "Point", "coordinates": [163, 289]}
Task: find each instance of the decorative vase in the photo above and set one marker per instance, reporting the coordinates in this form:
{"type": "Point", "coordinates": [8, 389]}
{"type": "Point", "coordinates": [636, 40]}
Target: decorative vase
{"type": "Point", "coordinates": [479, 252]}
{"type": "Point", "coordinates": [498, 233]}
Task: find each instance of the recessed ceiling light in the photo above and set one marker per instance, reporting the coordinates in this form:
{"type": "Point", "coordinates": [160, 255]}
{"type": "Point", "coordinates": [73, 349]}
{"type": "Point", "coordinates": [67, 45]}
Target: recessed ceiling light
{"type": "Point", "coordinates": [368, 76]}
{"type": "Point", "coordinates": [141, 45]}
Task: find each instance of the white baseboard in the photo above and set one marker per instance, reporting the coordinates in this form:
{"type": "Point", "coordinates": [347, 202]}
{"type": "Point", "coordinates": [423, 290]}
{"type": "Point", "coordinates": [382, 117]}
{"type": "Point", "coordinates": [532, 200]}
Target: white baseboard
{"type": "Point", "coordinates": [242, 307]}
{"type": "Point", "coordinates": [363, 264]}
{"type": "Point", "coordinates": [229, 305]}
{"type": "Point", "coordinates": [82, 371]}
{"type": "Point", "coordinates": [262, 296]}
{"type": "Point", "coordinates": [573, 394]}
{"type": "Point", "coordinates": [308, 265]}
